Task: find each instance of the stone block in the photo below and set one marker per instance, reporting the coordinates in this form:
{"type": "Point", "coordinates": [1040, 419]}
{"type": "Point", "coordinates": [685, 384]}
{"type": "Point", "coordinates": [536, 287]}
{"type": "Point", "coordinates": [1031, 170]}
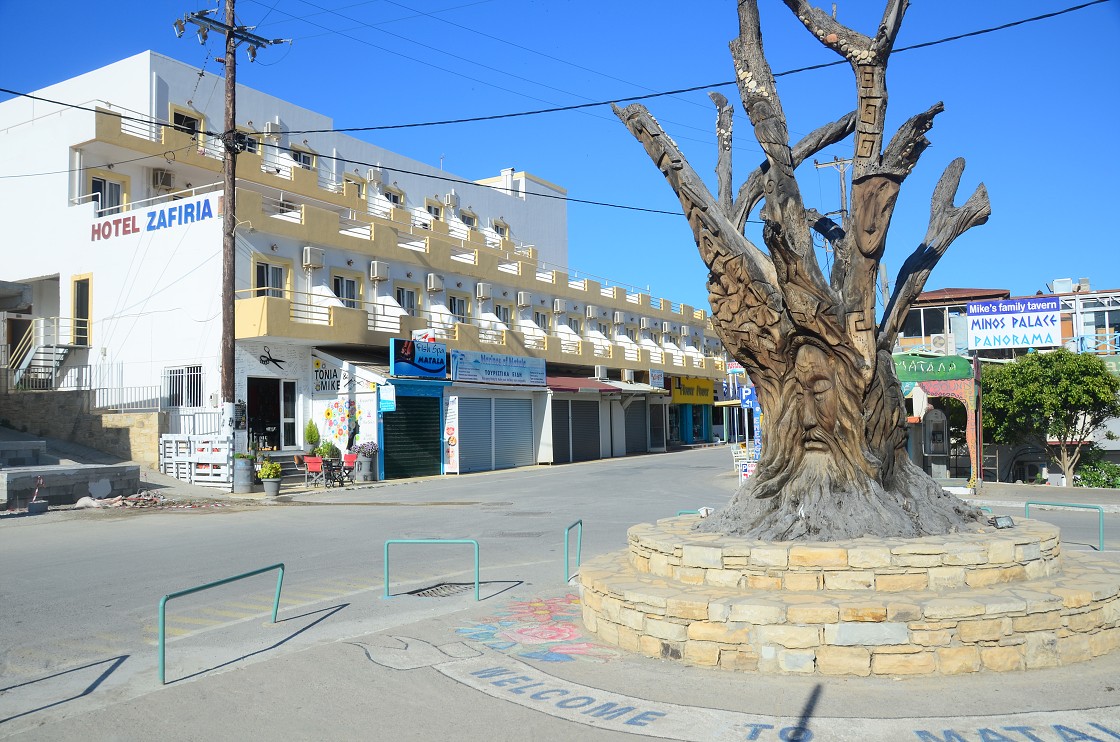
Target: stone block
{"type": "Point", "coordinates": [1104, 642]}
{"type": "Point", "coordinates": [1028, 552]}
{"type": "Point", "coordinates": [863, 612]}
{"type": "Point", "coordinates": [666, 630]}
{"type": "Point", "coordinates": [590, 619]}
{"type": "Point", "coordinates": [812, 613]}
{"type": "Point", "coordinates": [757, 613]}
{"type": "Point", "coordinates": [726, 633]}
{"type": "Point", "coordinates": [1001, 552]}
{"type": "Point", "coordinates": [791, 637]}
{"type": "Point", "coordinates": [844, 661]}
{"type": "Point", "coordinates": [917, 560]}
{"type": "Point", "coordinates": [592, 600]}
{"type": "Point", "coordinates": [702, 556]}
{"type": "Point", "coordinates": [983, 630]}
{"type": "Point", "coordinates": [719, 610]}
{"type": "Point", "coordinates": [922, 663]}
{"type": "Point", "coordinates": [802, 581]}
{"type": "Point", "coordinates": [901, 582]}
{"type": "Point", "coordinates": [945, 578]}
{"type": "Point", "coordinates": [723, 577]}
{"type": "Point", "coordinates": [1087, 621]}
{"type": "Point", "coordinates": [690, 575]}
{"type": "Point", "coordinates": [827, 557]}
{"type": "Point", "coordinates": [796, 661]}
{"type": "Point", "coordinates": [606, 631]}
{"type": "Point", "coordinates": [640, 563]}
{"type": "Point", "coordinates": [983, 577]}
{"type": "Point", "coordinates": [965, 557]}
{"type": "Point", "coordinates": [848, 580]}
{"type": "Point", "coordinates": [942, 608]}
{"type": "Point", "coordinates": [769, 556]}
{"type": "Point", "coordinates": [1074, 597]}
{"type": "Point", "coordinates": [1001, 659]}
{"type": "Point", "coordinates": [958, 660]}
{"type": "Point", "coordinates": [1074, 649]}
{"type": "Point", "coordinates": [702, 653]}
{"type": "Point", "coordinates": [733, 660]}
{"type": "Point", "coordinates": [940, 638]}
{"type": "Point", "coordinates": [628, 639]}
{"type": "Point", "coordinates": [687, 607]}
{"type": "Point", "coordinates": [631, 618]}
{"type": "Point", "coordinates": [649, 645]}
{"type": "Point", "coordinates": [866, 634]}
{"type": "Point", "coordinates": [903, 612]}
{"type": "Point", "coordinates": [659, 563]}
{"type": "Point", "coordinates": [764, 582]}
{"type": "Point", "coordinates": [1041, 650]}
{"type": "Point", "coordinates": [869, 557]}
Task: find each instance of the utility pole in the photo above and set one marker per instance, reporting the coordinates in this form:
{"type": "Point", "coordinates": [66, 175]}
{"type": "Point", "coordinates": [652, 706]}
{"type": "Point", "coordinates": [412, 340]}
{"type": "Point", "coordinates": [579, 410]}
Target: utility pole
{"type": "Point", "coordinates": [232, 144]}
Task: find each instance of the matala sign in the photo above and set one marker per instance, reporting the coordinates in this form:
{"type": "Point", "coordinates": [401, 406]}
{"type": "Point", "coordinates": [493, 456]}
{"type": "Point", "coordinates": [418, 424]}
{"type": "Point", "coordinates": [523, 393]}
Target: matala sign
{"type": "Point", "coordinates": [469, 365]}
{"type": "Point", "coordinates": [1033, 322]}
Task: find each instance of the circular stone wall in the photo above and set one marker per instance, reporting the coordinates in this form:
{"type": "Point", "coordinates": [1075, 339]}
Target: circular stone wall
{"type": "Point", "coordinates": [988, 601]}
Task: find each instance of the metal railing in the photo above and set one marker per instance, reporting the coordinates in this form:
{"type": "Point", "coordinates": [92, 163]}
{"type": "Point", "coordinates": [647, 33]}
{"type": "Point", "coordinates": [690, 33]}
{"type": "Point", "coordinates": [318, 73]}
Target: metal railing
{"type": "Point", "coordinates": [432, 541]}
{"type": "Point", "coordinates": [579, 547]}
{"type": "Point", "coordinates": [1098, 508]}
{"type": "Point", "coordinates": [217, 583]}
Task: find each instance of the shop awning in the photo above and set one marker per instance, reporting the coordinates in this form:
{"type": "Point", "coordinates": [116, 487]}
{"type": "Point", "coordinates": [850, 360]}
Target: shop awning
{"type": "Point", "coordinates": [577, 384]}
{"type": "Point", "coordinates": [631, 388]}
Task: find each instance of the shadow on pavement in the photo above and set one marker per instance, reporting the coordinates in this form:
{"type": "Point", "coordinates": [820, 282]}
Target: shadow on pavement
{"type": "Point", "coordinates": [116, 662]}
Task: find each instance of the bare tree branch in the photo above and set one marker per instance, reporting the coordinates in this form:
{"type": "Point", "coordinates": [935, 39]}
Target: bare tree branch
{"type": "Point", "coordinates": [724, 119]}
{"type": "Point", "coordinates": [908, 143]}
{"type": "Point", "coordinates": [946, 223]}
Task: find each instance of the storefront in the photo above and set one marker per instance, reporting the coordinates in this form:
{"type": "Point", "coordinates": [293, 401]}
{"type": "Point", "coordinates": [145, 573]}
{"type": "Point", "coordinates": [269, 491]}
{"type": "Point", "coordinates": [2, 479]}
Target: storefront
{"type": "Point", "coordinates": [412, 422]}
{"type": "Point", "coordinates": [577, 411]}
{"type": "Point", "coordinates": [690, 411]}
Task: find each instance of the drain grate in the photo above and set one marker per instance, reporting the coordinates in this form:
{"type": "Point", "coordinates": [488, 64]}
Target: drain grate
{"type": "Point", "coordinates": [445, 590]}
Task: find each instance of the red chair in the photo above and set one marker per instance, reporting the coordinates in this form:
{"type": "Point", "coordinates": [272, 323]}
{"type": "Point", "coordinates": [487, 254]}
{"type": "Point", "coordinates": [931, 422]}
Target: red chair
{"type": "Point", "coordinates": [313, 470]}
{"type": "Point", "coordinates": [349, 462]}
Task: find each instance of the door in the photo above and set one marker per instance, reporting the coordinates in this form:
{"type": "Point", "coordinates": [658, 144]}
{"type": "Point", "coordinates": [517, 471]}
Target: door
{"type": "Point", "coordinates": [413, 445]}
{"type": "Point", "coordinates": [513, 433]}
{"type": "Point", "coordinates": [288, 414]}
{"type": "Point", "coordinates": [81, 312]}
{"type": "Point", "coordinates": [585, 431]}
{"type": "Point", "coordinates": [657, 426]}
{"type": "Point", "coordinates": [263, 411]}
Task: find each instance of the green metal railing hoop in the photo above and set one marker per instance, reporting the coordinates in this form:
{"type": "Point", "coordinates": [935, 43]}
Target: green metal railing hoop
{"type": "Point", "coordinates": [432, 541]}
{"type": "Point", "coordinates": [579, 546]}
{"type": "Point", "coordinates": [1098, 508]}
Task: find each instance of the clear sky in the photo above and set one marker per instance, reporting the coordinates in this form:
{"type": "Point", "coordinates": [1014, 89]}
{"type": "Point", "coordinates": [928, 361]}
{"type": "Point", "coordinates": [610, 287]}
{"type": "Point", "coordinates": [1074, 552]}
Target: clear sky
{"type": "Point", "coordinates": [1033, 109]}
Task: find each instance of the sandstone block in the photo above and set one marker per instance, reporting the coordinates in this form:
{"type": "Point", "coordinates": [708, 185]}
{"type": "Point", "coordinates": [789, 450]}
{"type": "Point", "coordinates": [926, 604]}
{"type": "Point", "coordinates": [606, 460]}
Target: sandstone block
{"type": "Point", "coordinates": [812, 613]}
{"type": "Point", "coordinates": [702, 653]}
{"type": "Point", "coordinates": [718, 632]}
{"type": "Point", "coordinates": [1074, 649]}
{"type": "Point", "coordinates": [607, 631]}
{"type": "Point", "coordinates": [1041, 650]}
{"type": "Point", "coordinates": [903, 612]}
{"type": "Point", "coordinates": [590, 619]}
{"type": "Point", "coordinates": [686, 607]}
{"type": "Point", "coordinates": [945, 578]}
{"type": "Point", "coordinates": [866, 634]}
{"type": "Point", "coordinates": [958, 660]}
{"type": "Point", "coordinates": [941, 638]}
{"type": "Point", "coordinates": [849, 580]}
{"type": "Point", "coordinates": [649, 645]}
{"type": "Point", "coordinates": [719, 610]}
{"type": "Point", "coordinates": [791, 637]}
{"type": "Point", "coordinates": [1074, 597]}
{"type": "Point", "coordinates": [722, 577]}
{"type": "Point", "coordinates": [969, 556]}
{"type": "Point", "coordinates": [869, 557]}
{"type": "Point", "coordinates": [640, 563]}
{"type": "Point", "coordinates": [690, 575]}
{"type": "Point", "coordinates": [844, 661]}
{"type": "Point", "coordinates": [1104, 642]}
{"type": "Point", "coordinates": [769, 556]}
{"type": "Point", "coordinates": [989, 629]}
{"type": "Point", "coordinates": [702, 556]}
{"type": "Point", "coordinates": [898, 583]}
{"type": "Point", "coordinates": [757, 613]}
{"type": "Point", "coordinates": [1028, 552]}
{"type": "Point", "coordinates": [592, 600]}
{"type": "Point", "coordinates": [628, 639]}
{"type": "Point", "coordinates": [921, 663]}
{"type": "Point", "coordinates": [863, 612]}
{"type": "Point", "coordinates": [796, 660]}
{"type": "Point", "coordinates": [764, 582]}
{"type": "Point", "coordinates": [733, 660]}
{"type": "Point", "coordinates": [1001, 659]}
{"type": "Point", "coordinates": [1001, 552]}
{"type": "Point", "coordinates": [1087, 621]}
{"type": "Point", "coordinates": [659, 563]}
{"type": "Point", "coordinates": [942, 608]}
{"type": "Point", "coordinates": [917, 560]}
{"type": "Point", "coordinates": [983, 577]}
{"type": "Point", "coordinates": [674, 632]}
{"type": "Point", "coordinates": [802, 581]}
{"type": "Point", "coordinates": [818, 556]}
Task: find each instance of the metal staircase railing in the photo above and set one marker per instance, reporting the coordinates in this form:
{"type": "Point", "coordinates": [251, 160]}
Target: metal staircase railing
{"type": "Point", "coordinates": [36, 359]}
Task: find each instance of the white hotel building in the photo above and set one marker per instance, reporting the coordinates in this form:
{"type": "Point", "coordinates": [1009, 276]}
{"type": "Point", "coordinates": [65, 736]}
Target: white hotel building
{"type": "Point", "coordinates": [112, 283]}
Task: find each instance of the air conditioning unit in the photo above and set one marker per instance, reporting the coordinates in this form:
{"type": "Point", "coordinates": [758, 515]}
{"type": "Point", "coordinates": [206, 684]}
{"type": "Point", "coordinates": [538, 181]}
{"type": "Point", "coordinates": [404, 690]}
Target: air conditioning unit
{"type": "Point", "coordinates": [452, 199]}
{"type": "Point", "coordinates": [645, 323]}
{"type": "Point", "coordinates": [483, 290]}
{"type": "Point", "coordinates": [620, 318]}
{"type": "Point", "coordinates": [271, 128]}
{"type": "Point", "coordinates": [559, 306]}
{"type": "Point", "coordinates": [373, 175]}
{"type": "Point", "coordinates": [163, 179]}
{"type": "Point", "coordinates": [939, 343]}
{"type": "Point", "coordinates": [628, 375]}
{"type": "Point", "coordinates": [592, 311]}
{"type": "Point", "coordinates": [666, 326]}
{"type": "Point", "coordinates": [600, 372]}
{"type": "Point", "coordinates": [524, 299]}
{"type": "Point", "coordinates": [435, 283]}
{"type": "Point", "coordinates": [378, 271]}
{"type": "Point", "coordinates": [313, 257]}
{"type": "Point", "coordinates": [686, 331]}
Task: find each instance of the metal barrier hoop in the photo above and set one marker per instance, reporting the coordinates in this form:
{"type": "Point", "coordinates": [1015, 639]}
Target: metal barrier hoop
{"type": "Point", "coordinates": [432, 541]}
{"type": "Point", "coordinates": [1098, 508]}
{"type": "Point", "coordinates": [170, 596]}
{"type": "Point", "coordinates": [579, 546]}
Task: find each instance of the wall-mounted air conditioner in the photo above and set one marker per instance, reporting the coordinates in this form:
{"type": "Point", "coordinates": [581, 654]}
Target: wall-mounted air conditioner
{"type": "Point", "coordinates": [620, 318]}
{"type": "Point", "coordinates": [592, 311]}
{"type": "Point", "coordinates": [271, 128]}
{"type": "Point", "coordinates": [373, 175]}
{"type": "Point", "coordinates": [435, 283]}
{"type": "Point", "coordinates": [600, 372]}
{"type": "Point", "coordinates": [645, 323]}
{"type": "Point", "coordinates": [628, 375]}
{"type": "Point", "coordinates": [559, 306]}
{"type": "Point", "coordinates": [313, 257]}
{"type": "Point", "coordinates": [524, 299]}
{"type": "Point", "coordinates": [939, 343]}
{"type": "Point", "coordinates": [163, 180]}
{"type": "Point", "coordinates": [483, 290]}
{"type": "Point", "coordinates": [666, 326]}
{"type": "Point", "coordinates": [685, 331]}
{"type": "Point", "coordinates": [378, 271]}
{"type": "Point", "coordinates": [452, 199]}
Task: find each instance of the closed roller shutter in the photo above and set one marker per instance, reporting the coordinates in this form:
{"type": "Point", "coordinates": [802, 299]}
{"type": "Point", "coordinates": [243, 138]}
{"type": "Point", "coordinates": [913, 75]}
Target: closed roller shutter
{"type": "Point", "coordinates": [636, 438]}
{"type": "Point", "coordinates": [413, 446]}
{"type": "Point", "coordinates": [657, 426]}
{"type": "Point", "coordinates": [476, 439]}
{"type": "Point", "coordinates": [513, 433]}
{"type": "Point", "coordinates": [585, 431]}
{"type": "Point", "coordinates": [561, 431]}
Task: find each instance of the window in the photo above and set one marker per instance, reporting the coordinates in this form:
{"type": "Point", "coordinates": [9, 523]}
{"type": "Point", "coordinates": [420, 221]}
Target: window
{"type": "Point", "coordinates": [469, 220]}
{"type": "Point", "coordinates": [501, 229]}
{"type": "Point", "coordinates": [185, 123]}
{"type": "Point", "coordinates": [247, 142]}
{"type": "Point", "coordinates": [574, 323]}
{"type": "Point", "coordinates": [303, 159]}
{"type": "Point", "coordinates": [924, 322]}
{"type": "Point", "coordinates": [396, 198]}
{"type": "Point", "coordinates": [630, 334]}
{"type": "Point", "coordinates": [359, 186]}
{"type": "Point", "coordinates": [109, 195]}
{"type": "Point", "coordinates": [183, 386]}
{"type": "Point", "coordinates": [346, 289]}
{"type": "Point", "coordinates": [502, 311]}
{"type": "Point", "coordinates": [269, 280]}
{"type": "Point", "coordinates": [435, 210]}
{"type": "Point", "coordinates": [458, 307]}
{"type": "Point", "coordinates": [407, 299]}
{"type": "Point", "coordinates": [603, 329]}
{"type": "Point", "coordinates": [543, 320]}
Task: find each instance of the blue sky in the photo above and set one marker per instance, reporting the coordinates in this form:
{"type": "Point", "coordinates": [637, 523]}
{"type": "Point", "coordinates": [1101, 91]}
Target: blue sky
{"type": "Point", "coordinates": [1034, 109]}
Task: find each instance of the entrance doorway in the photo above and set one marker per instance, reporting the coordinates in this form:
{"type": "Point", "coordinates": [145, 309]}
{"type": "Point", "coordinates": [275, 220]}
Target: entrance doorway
{"type": "Point", "coordinates": [271, 413]}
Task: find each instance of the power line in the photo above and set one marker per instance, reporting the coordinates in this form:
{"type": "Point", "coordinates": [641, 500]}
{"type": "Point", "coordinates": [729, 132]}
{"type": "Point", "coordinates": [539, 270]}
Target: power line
{"type": "Point", "coordinates": [104, 166]}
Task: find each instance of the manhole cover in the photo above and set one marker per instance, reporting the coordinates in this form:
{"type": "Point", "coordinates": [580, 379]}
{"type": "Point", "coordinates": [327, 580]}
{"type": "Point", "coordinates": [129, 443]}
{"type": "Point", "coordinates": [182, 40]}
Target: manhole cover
{"type": "Point", "coordinates": [446, 590]}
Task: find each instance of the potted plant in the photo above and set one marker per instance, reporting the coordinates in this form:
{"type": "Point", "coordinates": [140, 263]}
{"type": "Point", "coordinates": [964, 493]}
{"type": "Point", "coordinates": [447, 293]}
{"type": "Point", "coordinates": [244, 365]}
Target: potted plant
{"type": "Point", "coordinates": [270, 477]}
{"type": "Point", "coordinates": [327, 450]}
{"type": "Point", "coordinates": [365, 468]}
{"type": "Point", "coordinates": [243, 473]}
{"type": "Point", "coordinates": [311, 436]}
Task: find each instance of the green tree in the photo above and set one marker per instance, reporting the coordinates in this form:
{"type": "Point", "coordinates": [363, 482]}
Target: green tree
{"type": "Point", "coordinates": [1054, 400]}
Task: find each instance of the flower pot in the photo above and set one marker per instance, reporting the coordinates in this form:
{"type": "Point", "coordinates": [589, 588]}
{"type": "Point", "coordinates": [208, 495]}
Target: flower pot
{"type": "Point", "coordinates": [271, 486]}
{"type": "Point", "coordinates": [36, 507]}
{"type": "Point", "coordinates": [365, 469]}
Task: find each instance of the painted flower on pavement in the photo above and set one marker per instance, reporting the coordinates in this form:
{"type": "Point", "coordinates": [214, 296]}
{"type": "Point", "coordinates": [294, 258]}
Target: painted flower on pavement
{"type": "Point", "coordinates": [543, 629]}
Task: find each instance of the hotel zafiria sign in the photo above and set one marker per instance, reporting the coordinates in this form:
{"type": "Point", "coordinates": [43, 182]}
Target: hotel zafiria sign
{"type": "Point", "coordinates": [1032, 322]}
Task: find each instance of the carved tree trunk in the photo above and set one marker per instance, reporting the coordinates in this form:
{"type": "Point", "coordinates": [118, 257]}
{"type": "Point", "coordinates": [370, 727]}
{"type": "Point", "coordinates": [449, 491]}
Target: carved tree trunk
{"type": "Point", "coordinates": [834, 464]}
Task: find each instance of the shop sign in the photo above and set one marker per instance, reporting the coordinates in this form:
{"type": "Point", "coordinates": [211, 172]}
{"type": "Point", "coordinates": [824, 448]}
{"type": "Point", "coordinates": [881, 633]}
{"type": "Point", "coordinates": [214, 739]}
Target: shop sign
{"type": "Point", "coordinates": [734, 367]}
{"type": "Point", "coordinates": [387, 399]}
{"type": "Point", "coordinates": [330, 380]}
{"type": "Point", "coordinates": [931, 368]}
{"type": "Point", "coordinates": [494, 368]}
{"type": "Point", "coordinates": [165, 216]}
{"type": "Point", "coordinates": [1033, 322]}
{"type": "Point", "coordinates": [415, 358]}
{"type": "Point", "coordinates": [657, 378]}
{"type": "Point", "coordinates": [1112, 363]}
{"type": "Point", "coordinates": [451, 437]}
{"type": "Point", "coordinates": [692, 391]}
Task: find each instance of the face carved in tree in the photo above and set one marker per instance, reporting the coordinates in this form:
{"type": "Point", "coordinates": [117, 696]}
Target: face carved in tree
{"type": "Point", "coordinates": [819, 402]}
